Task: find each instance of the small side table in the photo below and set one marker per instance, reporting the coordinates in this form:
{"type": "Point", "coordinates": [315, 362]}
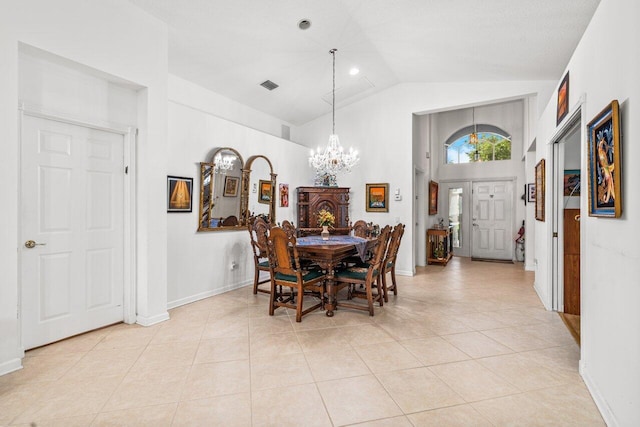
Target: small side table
{"type": "Point", "coordinates": [439, 245]}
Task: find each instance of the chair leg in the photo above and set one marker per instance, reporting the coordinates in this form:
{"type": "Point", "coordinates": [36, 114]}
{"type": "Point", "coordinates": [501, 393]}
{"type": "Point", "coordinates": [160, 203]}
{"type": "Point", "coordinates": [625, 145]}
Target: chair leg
{"type": "Point", "coordinates": [393, 279]}
{"type": "Point", "coordinates": [370, 298]}
{"type": "Point", "coordinates": [384, 287]}
{"type": "Point", "coordinates": [256, 277]}
{"type": "Point", "coordinates": [272, 298]}
{"type": "Point", "coordinates": [299, 305]}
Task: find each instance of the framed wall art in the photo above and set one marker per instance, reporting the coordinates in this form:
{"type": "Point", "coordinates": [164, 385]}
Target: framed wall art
{"type": "Point", "coordinates": [231, 184]}
{"type": "Point", "coordinates": [433, 198]}
{"type": "Point", "coordinates": [377, 199]}
{"type": "Point", "coordinates": [605, 197]}
{"type": "Point", "coordinates": [284, 195]}
{"type": "Point", "coordinates": [531, 193]}
{"type": "Point", "coordinates": [179, 194]}
{"type": "Point", "coordinates": [264, 194]}
{"type": "Point", "coordinates": [563, 99]}
{"type": "Point", "coordinates": [571, 182]}
{"type": "Point", "coordinates": [540, 190]}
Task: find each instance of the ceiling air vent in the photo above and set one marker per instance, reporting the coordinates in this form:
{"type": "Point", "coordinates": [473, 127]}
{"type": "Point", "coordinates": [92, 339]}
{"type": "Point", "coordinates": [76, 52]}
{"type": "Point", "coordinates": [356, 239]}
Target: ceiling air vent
{"type": "Point", "coordinates": [268, 84]}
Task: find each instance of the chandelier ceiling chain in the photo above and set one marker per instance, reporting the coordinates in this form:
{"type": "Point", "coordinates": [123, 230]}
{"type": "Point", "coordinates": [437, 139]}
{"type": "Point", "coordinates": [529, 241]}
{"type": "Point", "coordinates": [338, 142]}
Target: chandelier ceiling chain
{"type": "Point", "coordinates": [333, 93]}
{"type": "Point", "coordinates": [332, 159]}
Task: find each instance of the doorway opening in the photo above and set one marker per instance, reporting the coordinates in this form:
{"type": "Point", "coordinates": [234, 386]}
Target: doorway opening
{"type": "Point", "coordinates": [566, 212]}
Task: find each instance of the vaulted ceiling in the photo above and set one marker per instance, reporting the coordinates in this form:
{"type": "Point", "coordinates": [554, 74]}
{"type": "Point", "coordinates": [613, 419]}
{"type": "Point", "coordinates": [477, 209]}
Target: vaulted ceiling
{"type": "Point", "coordinates": [230, 47]}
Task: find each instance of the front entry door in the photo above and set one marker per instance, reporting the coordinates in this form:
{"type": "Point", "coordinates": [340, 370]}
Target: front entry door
{"type": "Point", "coordinates": [492, 220]}
{"type": "Point", "coordinates": [72, 257]}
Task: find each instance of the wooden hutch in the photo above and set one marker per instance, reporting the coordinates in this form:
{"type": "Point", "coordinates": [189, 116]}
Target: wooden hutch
{"type": "Point", "coordinates": [313, 199]}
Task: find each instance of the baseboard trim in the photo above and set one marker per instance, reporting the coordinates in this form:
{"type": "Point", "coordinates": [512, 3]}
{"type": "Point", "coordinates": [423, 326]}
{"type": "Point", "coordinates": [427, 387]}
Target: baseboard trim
{"type": "Point", "coordinates": [10, 366]}
{"type": "Point", "coordinates": [540, 297]}
{"type": "Point", "coordinates": [600, 402]}
{"type": "Point", "coordinates": [529, 267]}
{"type": "Point", "coordinates": [207, 294]}
{"type": "Point", "coordinates": [148, 321]}
{"type": "Point", "coordinates": [405, 273]}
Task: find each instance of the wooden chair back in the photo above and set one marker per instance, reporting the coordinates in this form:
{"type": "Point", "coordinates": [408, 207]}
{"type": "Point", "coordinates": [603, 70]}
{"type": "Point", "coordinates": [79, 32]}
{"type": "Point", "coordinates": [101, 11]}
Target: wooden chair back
{"type": "Point", "coordinates": [283, 254]}
{"type": "Point", "coordinates": [361, 229]}
{"type": "Point", "coordinates": [394, 244]}
{"type": "Point", "coordinates": [259, 230]}
{"type": "Point", "coordinates": [289, 228]}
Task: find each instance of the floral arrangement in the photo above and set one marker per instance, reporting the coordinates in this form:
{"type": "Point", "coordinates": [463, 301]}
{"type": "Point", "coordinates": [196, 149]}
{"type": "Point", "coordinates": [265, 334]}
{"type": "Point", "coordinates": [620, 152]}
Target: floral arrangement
{"type": "Point", "coordinates": [326, 218]}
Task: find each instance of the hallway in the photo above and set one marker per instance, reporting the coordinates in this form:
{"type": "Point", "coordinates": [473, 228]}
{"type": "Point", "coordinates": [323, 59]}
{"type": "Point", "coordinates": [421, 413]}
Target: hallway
{"type": "Point", "coordinates": [466, 344]}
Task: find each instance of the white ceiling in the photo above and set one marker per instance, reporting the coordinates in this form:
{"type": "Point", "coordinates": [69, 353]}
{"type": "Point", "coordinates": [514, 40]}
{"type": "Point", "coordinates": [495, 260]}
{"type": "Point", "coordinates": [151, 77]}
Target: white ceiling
{"type": "Point", "coordinates": [232, 46]}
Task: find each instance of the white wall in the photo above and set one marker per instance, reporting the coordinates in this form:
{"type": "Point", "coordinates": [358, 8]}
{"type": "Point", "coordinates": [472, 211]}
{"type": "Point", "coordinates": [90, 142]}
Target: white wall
{"type": "Point", "coordinates": [226, 108]}
{"type": "Point", "coordinates": [199, 262]}
{"type": "Point", "coordinates": [120, 40]}
{"type": "Point", "coordinates": [381, 128]}
{"type": "Point", "coordinates": [606, 66]}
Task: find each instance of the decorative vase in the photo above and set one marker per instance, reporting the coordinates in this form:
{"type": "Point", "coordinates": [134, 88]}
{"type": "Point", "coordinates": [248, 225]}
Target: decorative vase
{"type": "Point", "coordinates": [325, 232]}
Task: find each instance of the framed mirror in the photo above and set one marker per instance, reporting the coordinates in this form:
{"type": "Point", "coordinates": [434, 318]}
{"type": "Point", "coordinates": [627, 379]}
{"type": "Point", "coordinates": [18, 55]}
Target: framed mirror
{"type": "Point", "coordinates": [259, 189]}
{"type": "Point", "coordinates": [220, 191]}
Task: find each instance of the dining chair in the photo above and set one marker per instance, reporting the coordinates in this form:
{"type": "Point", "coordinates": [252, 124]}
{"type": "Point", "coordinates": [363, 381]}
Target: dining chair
{"type": "Point", "coordinates": [361, 229]}
{"type": "Point", "coordinates": [286, 271]}
{"type": "Point", "coordinates": [258, 230]}
{"type": "Point", "coordinates": [389, 262]}
{"type": "Point", "coordinates": [367, 275]}
{"type": "Point", "coordinates": [231, 220]}
{"type": "Point", "coordinates": [289, 228]}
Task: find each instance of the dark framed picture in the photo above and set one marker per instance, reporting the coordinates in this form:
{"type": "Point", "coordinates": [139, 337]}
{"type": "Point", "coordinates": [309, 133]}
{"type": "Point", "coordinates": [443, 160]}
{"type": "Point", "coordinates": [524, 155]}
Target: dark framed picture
{"type": "Point", "coordinates": [231, 184]}
{"type": "Point", "coordinates": [179, 191]}
{"type": "Point", "coordinates": [377, 199]}
{"type": "Point", "coordinates": [264, 195]}
{"type": "Point", "coordinates": [433, 198]}
{"type": "Point", "coordinates": [572, 182]}
{"type": "Point", "coordinates": [540, 176]}
{"type": "Point", "coordinates": [284, 195]}
{"type": "Point", "coordinates": [605, 197]}
{"type": "Point", "coordinates": [563, 99]}
{"type": "Point", "coordinates": [531, 193]}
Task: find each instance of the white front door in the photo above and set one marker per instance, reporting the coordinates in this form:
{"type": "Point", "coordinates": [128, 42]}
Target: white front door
{"type": "Point", "coordinates": [492, 221]}
{"type": "Point", "coordinates": [72, 211]}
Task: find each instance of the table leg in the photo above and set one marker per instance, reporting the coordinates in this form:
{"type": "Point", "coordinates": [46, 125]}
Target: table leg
{"type": "Point", "coordinates": [331, 294]}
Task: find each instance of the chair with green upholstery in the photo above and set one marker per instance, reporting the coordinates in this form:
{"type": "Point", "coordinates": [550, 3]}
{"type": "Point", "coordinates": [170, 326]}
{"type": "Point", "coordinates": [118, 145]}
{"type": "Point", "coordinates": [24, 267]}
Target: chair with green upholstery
{"type": "Point", "coordinates": [286, 272]}
{"type": "Point", "coordinates": [361, 281]}
{"type": "Point", "coordinates": [389, 262]}
{"type": "Point", "coordinates": [258, 230]}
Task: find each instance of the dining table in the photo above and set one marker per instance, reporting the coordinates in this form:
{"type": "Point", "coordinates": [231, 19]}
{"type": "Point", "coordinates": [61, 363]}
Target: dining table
{"type": "Point", "coordinates": [328, 254]}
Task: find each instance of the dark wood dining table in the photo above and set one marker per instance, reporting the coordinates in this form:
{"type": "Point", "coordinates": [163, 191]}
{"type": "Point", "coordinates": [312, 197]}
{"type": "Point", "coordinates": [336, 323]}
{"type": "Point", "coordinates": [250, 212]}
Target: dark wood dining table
{"type": "Point", "coordinates": [328, 254]}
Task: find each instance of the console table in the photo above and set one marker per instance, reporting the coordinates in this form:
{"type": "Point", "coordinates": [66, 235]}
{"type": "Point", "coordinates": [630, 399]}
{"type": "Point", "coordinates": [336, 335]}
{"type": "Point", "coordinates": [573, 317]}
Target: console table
{"type": "Point", "coordinates": [439, 245]}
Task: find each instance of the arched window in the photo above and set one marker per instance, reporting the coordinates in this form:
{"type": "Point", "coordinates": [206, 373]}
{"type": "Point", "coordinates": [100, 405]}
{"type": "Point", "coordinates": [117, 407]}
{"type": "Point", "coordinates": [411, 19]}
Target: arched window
{"type": "Point", "coordinates": [492, 144]}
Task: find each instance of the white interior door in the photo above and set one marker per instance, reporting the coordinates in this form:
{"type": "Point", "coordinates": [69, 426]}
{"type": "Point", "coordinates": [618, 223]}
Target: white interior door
{"type": "Point", "coordinates": [72, 211]}
{"type": "Point", "coordinates": [492, 220]}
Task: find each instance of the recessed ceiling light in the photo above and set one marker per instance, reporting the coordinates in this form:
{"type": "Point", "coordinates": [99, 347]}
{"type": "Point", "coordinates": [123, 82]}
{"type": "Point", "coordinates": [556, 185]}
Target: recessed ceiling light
{"type": "Point", "coordinates": [354, 71]}
{"type": "Point", "coordinates": [304, 24]}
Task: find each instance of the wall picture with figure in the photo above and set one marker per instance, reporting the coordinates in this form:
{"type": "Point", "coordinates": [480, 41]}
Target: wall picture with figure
{"type": "Point", "coordinates": [605, 197]}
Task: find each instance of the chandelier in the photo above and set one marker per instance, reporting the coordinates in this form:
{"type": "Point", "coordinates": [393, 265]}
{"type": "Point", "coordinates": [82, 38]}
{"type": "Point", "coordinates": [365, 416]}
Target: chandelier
{"type": "Point", "coordinates": [223, 163]}
{"type": "Point", "coordinates": [473, 138]}
{"type": "Point", "coordinates": [333, 159]}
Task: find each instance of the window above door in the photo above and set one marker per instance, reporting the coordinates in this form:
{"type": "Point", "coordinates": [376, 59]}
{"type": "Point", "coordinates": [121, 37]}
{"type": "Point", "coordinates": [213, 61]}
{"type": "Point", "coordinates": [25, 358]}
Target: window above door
{"type": "Point", "coordinates": [490, 143]}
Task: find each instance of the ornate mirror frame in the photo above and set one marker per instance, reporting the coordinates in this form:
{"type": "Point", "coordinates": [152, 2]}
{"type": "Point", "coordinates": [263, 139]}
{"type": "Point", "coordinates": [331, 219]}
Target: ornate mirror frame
{"type": "Point", "coordinates": [244, 201]}
{"type": "Point", "coordinates": [209, 192]}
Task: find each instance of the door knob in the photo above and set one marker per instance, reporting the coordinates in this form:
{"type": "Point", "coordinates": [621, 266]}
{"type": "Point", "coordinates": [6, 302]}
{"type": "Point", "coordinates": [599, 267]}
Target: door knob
{"type": "Point", "coordinates": [32, 244]}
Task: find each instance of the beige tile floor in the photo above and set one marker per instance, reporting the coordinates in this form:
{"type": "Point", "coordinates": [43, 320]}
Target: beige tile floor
{"type": "Point", "coordinates": [468, 344]}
